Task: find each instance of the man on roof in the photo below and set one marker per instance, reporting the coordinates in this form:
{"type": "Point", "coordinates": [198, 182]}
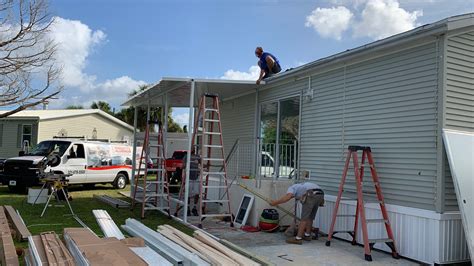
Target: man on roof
{"type": "Point", "coordinates": [268, 63]}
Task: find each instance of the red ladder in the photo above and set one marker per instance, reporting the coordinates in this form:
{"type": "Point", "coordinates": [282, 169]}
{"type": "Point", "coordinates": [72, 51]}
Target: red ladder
{"type": "Point", "coordinates": [152, 193]}
{"type": "Point", "coordinates": [360, 208]}
{"type": "Point", "coordinates": [212, 164]}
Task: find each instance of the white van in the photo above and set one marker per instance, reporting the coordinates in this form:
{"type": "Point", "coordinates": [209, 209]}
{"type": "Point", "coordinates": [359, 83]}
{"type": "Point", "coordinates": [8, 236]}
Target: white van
{"type": "Point", "coordinates": [88, 162]}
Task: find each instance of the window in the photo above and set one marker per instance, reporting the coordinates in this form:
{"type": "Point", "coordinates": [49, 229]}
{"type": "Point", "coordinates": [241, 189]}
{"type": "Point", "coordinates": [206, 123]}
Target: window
{"type": "Point", "coordinates": [77, 151]}
{"type": "Point", "coordinates": [279, 130]}
{"type": "Point", "coordinates": [26, 135]}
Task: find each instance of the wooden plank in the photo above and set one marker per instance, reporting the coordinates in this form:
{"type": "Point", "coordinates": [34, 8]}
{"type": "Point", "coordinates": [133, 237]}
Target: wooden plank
{"type": "Point", "coordinates": [7, 248]}
{"type": "Point", "coordinates": [216, 257]}
{"type": "Point", "coordinates": [225, 250]}
{"type": "Point", "coordinates": [56, 252]}
{"type": "Point", "coordinates": [22, 232]}
{"type": "Point", "coordinates": [171, 236]}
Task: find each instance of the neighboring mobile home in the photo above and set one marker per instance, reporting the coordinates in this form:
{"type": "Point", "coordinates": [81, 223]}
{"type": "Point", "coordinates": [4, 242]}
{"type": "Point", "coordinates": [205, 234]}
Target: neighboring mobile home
{"type": "Point", "coordinates": [394, 95]}
{"type": "Point", "coordinates": [33, 126]}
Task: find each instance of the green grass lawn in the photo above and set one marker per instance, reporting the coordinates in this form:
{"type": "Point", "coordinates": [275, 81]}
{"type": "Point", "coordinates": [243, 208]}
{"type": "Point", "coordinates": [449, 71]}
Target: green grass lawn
{"type": "Point", "coordinates": [58, 218]}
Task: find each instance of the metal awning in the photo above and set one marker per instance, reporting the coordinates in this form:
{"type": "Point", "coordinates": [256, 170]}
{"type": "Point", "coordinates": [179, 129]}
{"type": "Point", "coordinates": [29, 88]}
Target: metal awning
{"type": "Point", "coordinates": [177, 91]}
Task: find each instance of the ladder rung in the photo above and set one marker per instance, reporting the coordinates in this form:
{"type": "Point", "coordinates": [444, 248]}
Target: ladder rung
{"type": "Point", "coordinates": [155, 145]}
{"type": "Point", "coordinates": [152, 195]}
{"type": "Point", "coordinates": [376, 221]}
{"type": "Point", "coordinates": [223, 200]}
{"type": "Point", "coordinates": [213, 159]}
{"type": "Point", "coordinates": [380, 240]}
{"type": "Point", "coordinates": [214, 186]}
{"type": "Point", "coordinates": [177, 200]}
{"type": "Point", "coordinates": [212, 133]}
{"type": "Point", "coordinates": [154, 182]}
{"type": "Point", "coordinates": [212, 146]}
{"type": "Point", "coordinates": [213, 173]}
{"type": "Point", "coordinates": [345, 215]}
{"type": "Point", "coordinates": [217, 215]}
{"type": "Point", "coordinates": [211, 120]}
{"type": "Point", "coordinates": [155, 170]}
{"type": "Point", "coordinates": [155, 208]}
{"type": "Point", "coordinates": [210, 110]}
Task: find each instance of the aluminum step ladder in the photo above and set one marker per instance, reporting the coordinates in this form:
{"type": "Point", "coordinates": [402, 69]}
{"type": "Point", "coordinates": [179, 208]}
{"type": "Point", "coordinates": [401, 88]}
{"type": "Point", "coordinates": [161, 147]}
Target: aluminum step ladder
{"type": "Point", "coordinates": [151, 188]}
{"type": "Point", "coordinates": [208, 151]}
{"type": "Point", "coordinates": [360, 207]}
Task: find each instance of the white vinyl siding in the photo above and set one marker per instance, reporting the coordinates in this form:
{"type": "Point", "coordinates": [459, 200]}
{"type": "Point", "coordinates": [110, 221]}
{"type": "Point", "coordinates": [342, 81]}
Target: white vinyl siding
{"type": "Point", "coordinates": [388, 103]}
{"type": "Point", "coordinates": [459, 97]}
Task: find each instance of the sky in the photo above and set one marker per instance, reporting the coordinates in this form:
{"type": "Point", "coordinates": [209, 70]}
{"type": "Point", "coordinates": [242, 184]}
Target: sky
{"type": "Point", "coordinates": [108, 48]}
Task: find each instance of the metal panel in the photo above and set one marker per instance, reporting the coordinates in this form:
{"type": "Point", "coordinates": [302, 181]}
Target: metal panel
{"type": "Point", "coordinates": [107, 224]}
{"type": "Point", "coordinates": [388, 103]}
{"type": "Point", "coordinates": [460, 151]}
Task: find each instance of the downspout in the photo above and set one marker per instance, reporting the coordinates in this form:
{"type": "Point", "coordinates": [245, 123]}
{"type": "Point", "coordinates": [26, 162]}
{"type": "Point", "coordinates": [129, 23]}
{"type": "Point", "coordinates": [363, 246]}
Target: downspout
{"type": "Point", "coordinates": [134, 149]}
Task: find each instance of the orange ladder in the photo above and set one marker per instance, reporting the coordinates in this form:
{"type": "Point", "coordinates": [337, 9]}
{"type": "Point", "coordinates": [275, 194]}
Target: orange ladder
{"type": "Point", "coordinates": [360, 207]}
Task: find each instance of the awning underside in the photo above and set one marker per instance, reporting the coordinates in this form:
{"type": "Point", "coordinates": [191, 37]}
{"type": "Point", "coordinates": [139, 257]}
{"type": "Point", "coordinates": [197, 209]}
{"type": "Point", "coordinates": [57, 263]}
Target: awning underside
{"type": "Point", "coordinates": [177, 91]}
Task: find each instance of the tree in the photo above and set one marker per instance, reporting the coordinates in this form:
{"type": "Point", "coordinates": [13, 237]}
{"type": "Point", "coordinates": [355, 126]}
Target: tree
{"type": "Point", "coordinates": [75, 107]}
{"type": "Point", "coordinates": [126, 115]}
{"type": "Point", "coordinates": [28, 74]}
{"type": "Point", "coordinates": [102, 105]}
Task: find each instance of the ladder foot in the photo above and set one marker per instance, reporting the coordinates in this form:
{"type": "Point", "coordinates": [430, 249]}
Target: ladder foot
{"type": "Point", "coordinates": [354, 242]}
{"type": "Point", "coordinates": [231, 224]}
{"type": "Point", "coordinates": [395, 255]}
{"type": "Point", "coordinates": [328, 243]}
{"type": "Point", "coordinates": [200, 226]}
{"type": "Point", "coordinates": [368, 257]}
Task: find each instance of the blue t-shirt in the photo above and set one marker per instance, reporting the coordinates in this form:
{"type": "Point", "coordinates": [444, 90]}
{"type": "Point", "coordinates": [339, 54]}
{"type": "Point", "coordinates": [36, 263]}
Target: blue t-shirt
{"type": "Point", "coordinates": [263, 61]}
{"type": "Point", "coordinates": [298, 190]}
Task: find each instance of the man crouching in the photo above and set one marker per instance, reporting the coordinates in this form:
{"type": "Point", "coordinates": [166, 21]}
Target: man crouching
{"type": "Point", "coordinates": [311, 197]}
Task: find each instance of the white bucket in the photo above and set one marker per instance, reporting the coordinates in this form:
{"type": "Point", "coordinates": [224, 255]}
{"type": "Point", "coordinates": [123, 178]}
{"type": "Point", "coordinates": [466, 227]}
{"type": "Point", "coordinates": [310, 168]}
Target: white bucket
{"type": "Point", "coordinates": [33, 194]}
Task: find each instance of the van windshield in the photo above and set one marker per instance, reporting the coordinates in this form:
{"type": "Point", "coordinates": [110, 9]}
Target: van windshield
{"type": "Point", "coordinates": [46, 147]}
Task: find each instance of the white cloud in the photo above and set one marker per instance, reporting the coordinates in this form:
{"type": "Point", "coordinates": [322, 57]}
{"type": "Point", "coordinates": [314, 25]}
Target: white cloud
{"type": "Point", "coordinates": [383, 18]}
{"type": "Point", "coordinates": [75, 43]}
{"type": "Point", "coordinates": [182, 119]}
{"type": "Point", "coordinates": [330, 22]}
{"type": "Point", "coordinates": [251, 74]}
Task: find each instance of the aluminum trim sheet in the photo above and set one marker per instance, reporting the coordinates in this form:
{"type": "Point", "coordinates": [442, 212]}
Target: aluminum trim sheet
{"type": "Point", "coordinates": [460, 152]}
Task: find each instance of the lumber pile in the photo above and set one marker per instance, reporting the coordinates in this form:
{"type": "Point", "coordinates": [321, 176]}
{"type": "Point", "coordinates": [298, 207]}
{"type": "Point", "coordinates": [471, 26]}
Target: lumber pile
{"type": "Point", "coordinates": [89, 249]}
{"type": "Point", "coordinates": [47, 249]}
{"type": "Point", "coordinates": [206, 247]}
{"type": "Point", "coordinates": [21, 232]}
{"type": "Point", "coordinates": [7, 248]}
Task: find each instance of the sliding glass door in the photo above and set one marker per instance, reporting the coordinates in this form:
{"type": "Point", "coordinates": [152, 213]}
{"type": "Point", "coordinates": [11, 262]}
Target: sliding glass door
{"type": "Point", "coordinates": [279, 129]}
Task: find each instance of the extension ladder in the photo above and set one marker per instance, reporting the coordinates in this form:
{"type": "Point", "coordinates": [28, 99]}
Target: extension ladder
{"type": "Point", "coordinates": [208, 144]}
{"type": "Point", "coordinates": [360, 207]}
{"type": "Point", "coordinates": [152, 193]}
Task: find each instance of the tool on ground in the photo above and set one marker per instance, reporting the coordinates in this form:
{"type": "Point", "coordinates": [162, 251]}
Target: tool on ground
{"type": "Point", "coordinates": [360, 208]}
{"type": "Point", "coordinates": [269, 220]}
{"type": "Point", "coordinates": [208, 143]}
{"type": "Point", "coordinates": [152, 193]}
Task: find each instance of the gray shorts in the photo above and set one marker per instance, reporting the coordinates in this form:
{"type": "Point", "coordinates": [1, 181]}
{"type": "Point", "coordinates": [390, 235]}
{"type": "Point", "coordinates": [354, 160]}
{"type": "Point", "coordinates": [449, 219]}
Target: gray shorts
{"type": "Point", "coordinates": [311, 204]}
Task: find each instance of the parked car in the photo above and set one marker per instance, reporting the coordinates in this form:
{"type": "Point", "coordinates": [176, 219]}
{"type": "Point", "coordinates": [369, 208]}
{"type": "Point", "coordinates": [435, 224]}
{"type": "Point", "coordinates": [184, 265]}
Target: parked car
{"type": "Point", "coordinates": [267, 167]}
{"type": "Point", "coordinates": [88, 162]}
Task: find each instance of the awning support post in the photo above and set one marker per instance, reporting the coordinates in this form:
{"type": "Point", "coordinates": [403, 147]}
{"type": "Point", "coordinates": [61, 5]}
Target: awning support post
{"type": "Point", "coordinates": [190, 144]}
{"type": "Point", "coordinates": [134, 148]}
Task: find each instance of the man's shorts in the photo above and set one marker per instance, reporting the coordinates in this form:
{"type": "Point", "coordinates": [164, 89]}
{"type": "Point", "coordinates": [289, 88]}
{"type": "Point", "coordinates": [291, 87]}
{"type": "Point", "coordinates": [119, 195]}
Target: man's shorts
{"type": "Point", "coordinates": [313, 200]}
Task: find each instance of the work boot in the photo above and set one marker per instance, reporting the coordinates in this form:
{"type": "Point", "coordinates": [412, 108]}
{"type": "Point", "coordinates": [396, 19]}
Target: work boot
{"type": "Point", "coordinates": [307, 238]}
{"type": "Point", "coordinates": [293, 240]}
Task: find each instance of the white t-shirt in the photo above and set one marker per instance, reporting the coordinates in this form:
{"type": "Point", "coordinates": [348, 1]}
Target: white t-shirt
{"type": "Point", "coordinates": [298, 190]}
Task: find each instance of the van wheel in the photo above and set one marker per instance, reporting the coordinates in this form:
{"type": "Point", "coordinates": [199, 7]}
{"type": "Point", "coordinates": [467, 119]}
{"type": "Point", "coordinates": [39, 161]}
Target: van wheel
{"type": "Point", "coordinates": [120, 181]}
